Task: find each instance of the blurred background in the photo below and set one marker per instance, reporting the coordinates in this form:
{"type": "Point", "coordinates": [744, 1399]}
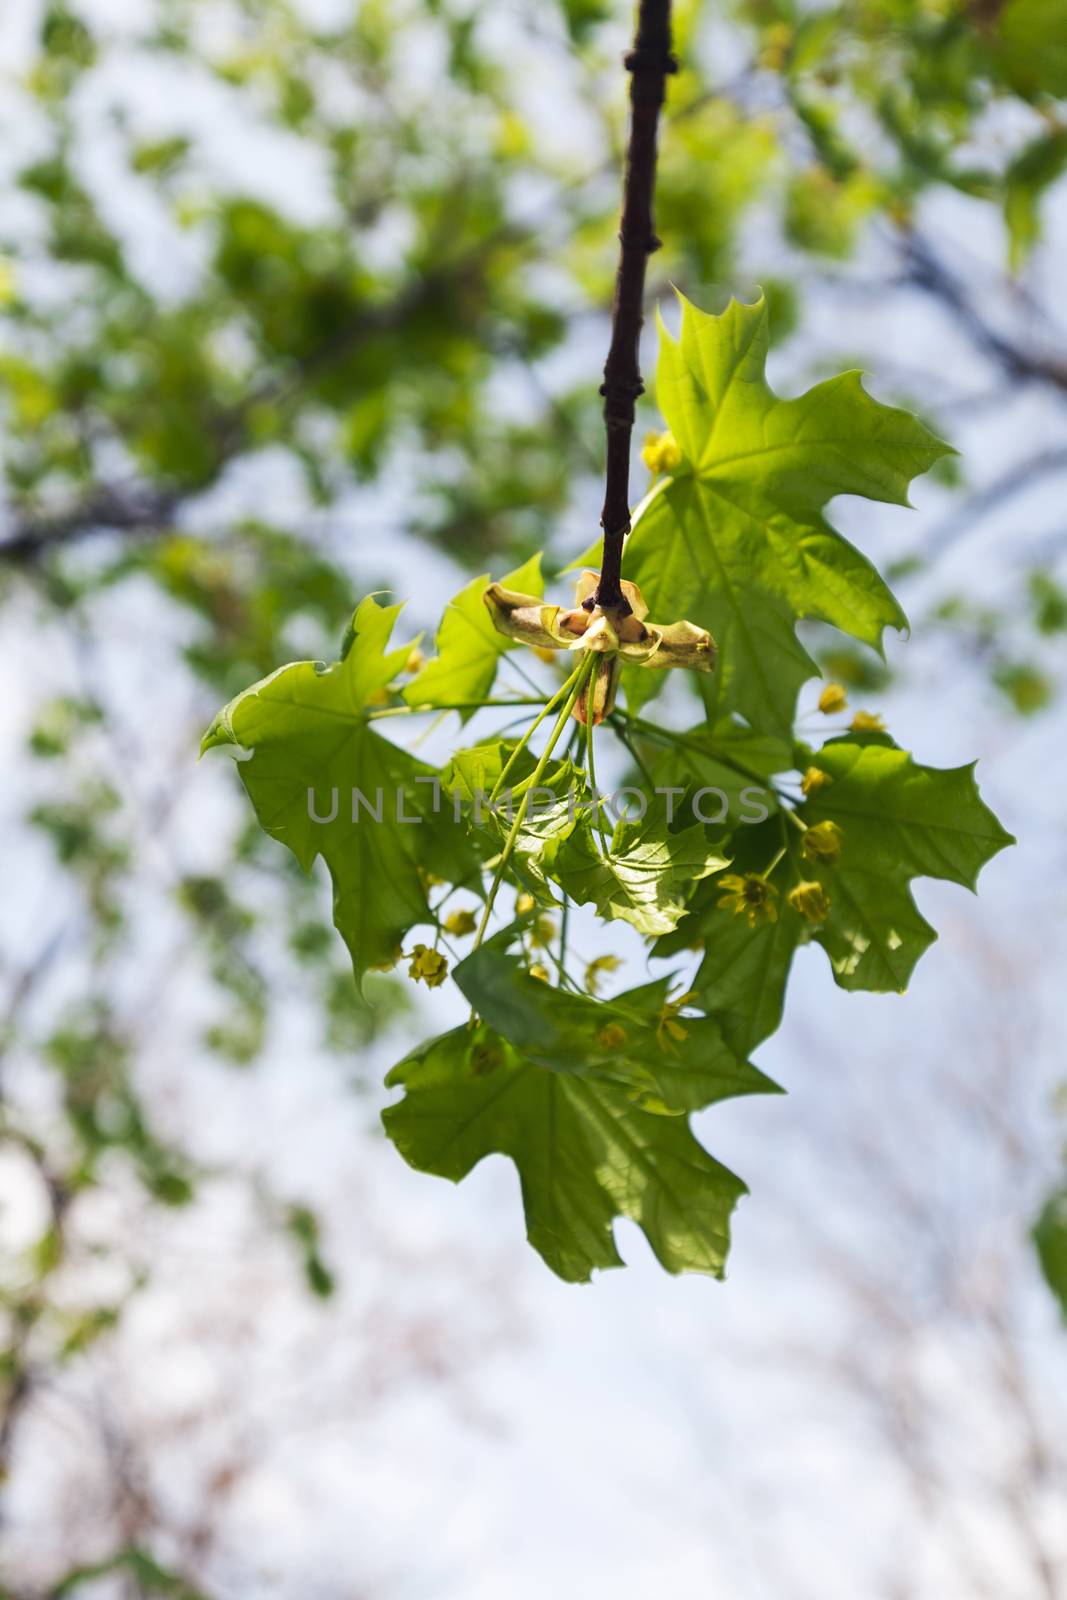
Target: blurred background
{"type": "Point", "coordinates": [304, 299]}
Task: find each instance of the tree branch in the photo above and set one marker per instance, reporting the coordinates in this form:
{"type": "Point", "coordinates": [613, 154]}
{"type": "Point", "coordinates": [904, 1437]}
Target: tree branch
{"type": "Point", "coordinates": [1019, 477]}
{"type": "Point", "coordinates": [926, 271]}
{"type": "Point", "coordinates": [142, 508]}
{"type": "Point", "coordinates": [649, 63]}
{"type": "Point", "coordinates": [116, 508]}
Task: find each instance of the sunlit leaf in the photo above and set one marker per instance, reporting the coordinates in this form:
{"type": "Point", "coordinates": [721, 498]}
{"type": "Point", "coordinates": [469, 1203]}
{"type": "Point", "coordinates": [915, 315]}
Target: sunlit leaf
{"type": "Point", "coordinates": [469, 647]}
{"type": "Point", "coordinates": [325, 783]}
{"type": "Point", "coordinates": [736, 539]}
{"type": "Point", "coordinates": [585, 1154]}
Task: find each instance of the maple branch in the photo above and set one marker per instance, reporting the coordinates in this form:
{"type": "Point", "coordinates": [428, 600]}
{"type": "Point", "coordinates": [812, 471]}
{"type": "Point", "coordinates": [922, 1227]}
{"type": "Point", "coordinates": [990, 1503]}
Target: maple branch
{"type": "Point", "coordinates": [649, 64]}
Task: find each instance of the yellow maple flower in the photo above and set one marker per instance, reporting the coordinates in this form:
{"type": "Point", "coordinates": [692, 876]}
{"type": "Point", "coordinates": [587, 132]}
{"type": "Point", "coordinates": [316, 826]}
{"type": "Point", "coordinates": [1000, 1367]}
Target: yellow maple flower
{"type": "Point", "coordinates": [749, 896]}
{"type": "Point", "coordinates": [461, 923]}
{"type": "Point", "coordinates": [811, 900]}
{"type": "Point", "coordinates": [611, 1036]}
{"type": "Point", "coordinates": [776, 44]}
{"type": "Point", "coordinates": [524, 903]}
{"type": "Point", "coordinates": [427, 966]}
{"type": "Point", "coordinates": [822, 843]}
{"type": "Point", "coordinates": [614, 637]}
{"type": "Point", "coordinates": [867, 722]}
{"type": "Point", "coordinates": [813, 780]}
{"type": "Point", "coordinates": [833, 698]}
{"type": "Point", "coordinates": [661, 453]}
{"type": "Point", "coordinates": [598, 968]}
{"type": "Point", "coordinates": [542, 931]}
{"type": "Point", "coordinates": [416, 661]}
{"type": "Point", "coordinates": [539, 972]}
{"type": "Point", "coordinates": [669, 1030]}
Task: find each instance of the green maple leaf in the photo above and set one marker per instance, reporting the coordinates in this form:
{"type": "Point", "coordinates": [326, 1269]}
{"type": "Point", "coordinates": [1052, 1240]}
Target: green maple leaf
{"type": "Point", "coordinates": [741, 980]}
{"type": "Point", "coordinates": [899, 820]}
{"type": "Point", "coordinates": [736, 540]}
{"type": "Point", "coordinates": [468, 646]}
{"type": "Point", "coordinates": [621, 1041]}
{"type": "Point", "coordinates": [646, 876]}
{"type": "Point", "coordinates": [735, 763]}
{"type": "Point", "coordinates": [1050, 1241]}
{"type": "Point", "coordinates": [307, 730]}
{"type": "Point", "coordinates": [585, 1153]}
{"type": "Point", "coordinates": [1029, 176]}
{"type": "Point", "coordinates": [875, 932]}
{"type": "Point", "coordinates": [645, 879]}
{"type": "Point", "coordinates": [1030, 43]}
{"type": "Point", "coordinates": [925, 821]}
{"type": "Point", "coordinates": [471, 777]}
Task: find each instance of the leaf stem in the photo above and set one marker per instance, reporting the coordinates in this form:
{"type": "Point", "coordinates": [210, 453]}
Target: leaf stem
{"type": "Point", "coordinates": [509, 661]}
{"type": "Point", "coordinates": [669, 736]}
{"type": "Point", "coordinates": [767, 871]}
{"type": "Point", "coordinates": [577, 683]}
{"type": "Point", "coordinates": [548, 707]}
{"type": "Point", "coordinates": [598, 818]}
{"type": "Point", "coordinates": [628, 744]}
{"type": "Point", "coordinates": [453, 705]}
{"type": "Point", "coordinates": [558, 961]}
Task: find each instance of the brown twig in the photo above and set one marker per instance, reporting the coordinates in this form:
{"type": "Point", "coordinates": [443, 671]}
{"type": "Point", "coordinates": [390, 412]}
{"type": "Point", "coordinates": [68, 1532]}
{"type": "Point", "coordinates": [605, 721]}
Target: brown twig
{"type": "Point", "coordinates": [928, 272]}
{"type": "Point", "coordinates": [649, 63]}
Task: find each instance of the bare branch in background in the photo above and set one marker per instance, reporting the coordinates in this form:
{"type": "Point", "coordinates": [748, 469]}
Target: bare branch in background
{"type": "Point", "coordinates": [1019, 478]}
{"type": "Point", "coordinates": [925, 270]}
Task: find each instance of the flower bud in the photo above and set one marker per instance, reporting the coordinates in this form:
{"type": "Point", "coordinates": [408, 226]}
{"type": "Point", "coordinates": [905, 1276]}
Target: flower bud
{"type": "Point", "coordinates": [822, 843]}
{"type": "Point", "coordinates": [813, 780]}
{"type": "Point", "coordinates": [605, 686]}
{"type": "Point", "coordinates": [661, 453]}
{"type": "Point", "coordinates": [833, 698]}
{"type": "Point", "coordinates": [811, 900]}
{"type": "Point", "coordinates": [427, 966]}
